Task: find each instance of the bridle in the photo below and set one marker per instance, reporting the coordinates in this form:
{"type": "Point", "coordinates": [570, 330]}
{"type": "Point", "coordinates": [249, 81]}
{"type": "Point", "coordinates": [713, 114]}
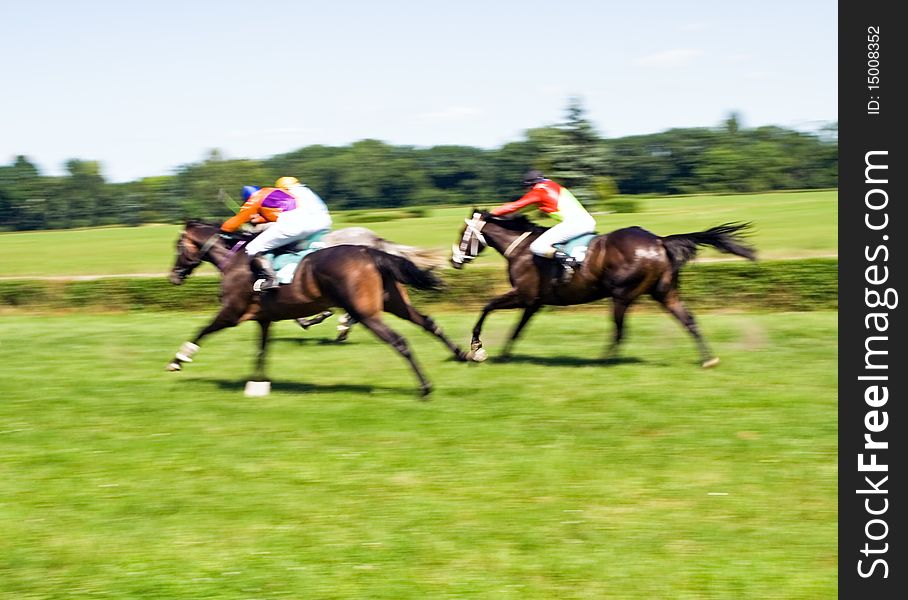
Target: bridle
{"type": "Point", "coordinates": [202, 251]}
{"type": "Point", "coordinates": [472, 241]}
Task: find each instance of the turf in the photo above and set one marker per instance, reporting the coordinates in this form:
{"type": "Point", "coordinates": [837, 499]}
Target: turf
{"type": "Point", "coordinates": [793, 224]}
{"type": "Point", "coordinates": [551, 476]}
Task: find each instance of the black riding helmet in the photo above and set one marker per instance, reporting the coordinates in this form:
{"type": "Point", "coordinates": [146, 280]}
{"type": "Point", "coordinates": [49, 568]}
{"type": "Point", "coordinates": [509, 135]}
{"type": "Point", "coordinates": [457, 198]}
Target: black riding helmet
{"type": "Point", "coordinates": [532, 177]}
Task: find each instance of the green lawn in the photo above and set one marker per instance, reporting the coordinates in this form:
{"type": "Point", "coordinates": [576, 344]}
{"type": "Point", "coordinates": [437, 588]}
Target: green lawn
{"type": "Point", "coordinates": [787, 225]}
{"type": "Point", "coordinates": [552, 476]}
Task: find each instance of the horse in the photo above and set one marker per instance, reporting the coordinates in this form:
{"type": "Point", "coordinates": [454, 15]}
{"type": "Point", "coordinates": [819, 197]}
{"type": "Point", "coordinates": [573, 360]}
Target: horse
{"type": "Point", "coordinates": [623, 265]}
{"type": "Point", "coordinates": [361, 280]}
{"type": "Point", "coordinates": [361, 236]}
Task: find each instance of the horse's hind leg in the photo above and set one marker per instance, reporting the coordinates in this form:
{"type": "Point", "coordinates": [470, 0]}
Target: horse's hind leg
{"type": "Point", "coordinates": [224, 319]}
{"type": "Point", "coordinates": [398, 304]}
{"type": "Point", "coordinates": [307, 322]}
{"type": "Point", "coordinates": [388, 335]}
{"type": "Point", "coordinates": [345, 323]}
{"type": "Point", "coordinates": [672, 303]}
{"type": "Point", "coordinates": [527, 315]}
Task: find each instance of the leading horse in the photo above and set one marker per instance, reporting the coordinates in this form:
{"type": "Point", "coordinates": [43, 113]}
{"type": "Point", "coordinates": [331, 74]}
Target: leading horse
{"type": "Point", "coordinates": [623, 265]}
{"type": "Point", "coordinates": [361, 280]}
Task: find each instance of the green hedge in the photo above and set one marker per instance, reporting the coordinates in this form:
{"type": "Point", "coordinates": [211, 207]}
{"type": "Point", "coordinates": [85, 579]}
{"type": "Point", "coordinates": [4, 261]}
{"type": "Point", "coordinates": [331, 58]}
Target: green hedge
{"type": "Point", "coordinates": [790, 285]}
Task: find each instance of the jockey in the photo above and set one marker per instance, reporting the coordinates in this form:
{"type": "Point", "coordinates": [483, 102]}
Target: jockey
{"type": "Point", "coordinates": [295, 211]}
{"type": "Point", "coordinates": [560, 204]}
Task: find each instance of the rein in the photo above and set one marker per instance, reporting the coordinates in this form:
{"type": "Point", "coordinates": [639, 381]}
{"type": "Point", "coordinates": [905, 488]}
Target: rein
{"type": "Point", "coordinates": [513, 245]}
{"type": "Point", "coordinates": [206, 247]}
{"type": "Point", "coordinates": [473, 241]}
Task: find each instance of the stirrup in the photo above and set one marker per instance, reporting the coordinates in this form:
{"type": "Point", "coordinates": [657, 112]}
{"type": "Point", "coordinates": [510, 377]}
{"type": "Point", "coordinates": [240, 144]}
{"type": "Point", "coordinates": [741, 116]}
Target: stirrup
{"type": "Point", "coordinates": [263, 285]}
{"type": "Point", "coordinates": [567, 263]}
{"type": "Point", "coordinates": [567, 273]}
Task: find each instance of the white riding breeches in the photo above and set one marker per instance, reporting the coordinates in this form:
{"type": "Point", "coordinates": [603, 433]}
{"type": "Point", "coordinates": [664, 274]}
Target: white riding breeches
{"type": "Point", "coordinates": [290, 226]}
{"type": "Point", "coordinates": [562, 232]}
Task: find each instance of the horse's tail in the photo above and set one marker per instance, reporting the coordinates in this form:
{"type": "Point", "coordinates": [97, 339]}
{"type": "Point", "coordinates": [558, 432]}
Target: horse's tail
{"type": "Point", "coordinates": [728, 238]}
{"type": "Point", "coordinates": [424, 259]}
{"type": "Point", "coordinates": [403, 270]}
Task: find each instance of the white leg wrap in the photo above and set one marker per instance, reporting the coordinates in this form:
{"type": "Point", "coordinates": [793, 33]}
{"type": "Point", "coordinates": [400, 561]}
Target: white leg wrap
{"type": "Point", "coordinates": [186, 351]}
{"type": "Point", "coordinates": [479, 355]}
{"type": "Point", "coordinates": [257, 389]}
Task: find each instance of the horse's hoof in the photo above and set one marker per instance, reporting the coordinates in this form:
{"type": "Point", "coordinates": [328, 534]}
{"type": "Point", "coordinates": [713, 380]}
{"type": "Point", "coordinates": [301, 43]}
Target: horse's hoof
{"type": "Point", "coordinates": [710, 363]}
{"type": "Point", "coordinates": [174, 366]}
{"type": "Point", "coordinates": [257, 389]}
{"type": "Point", "coordinates": [425, 390]}
{"type": "Point", "coordinates": [478, 355]}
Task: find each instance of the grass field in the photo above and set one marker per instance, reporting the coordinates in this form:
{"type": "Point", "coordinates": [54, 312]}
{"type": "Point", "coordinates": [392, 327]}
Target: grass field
{"type": "Point", "coordinates": [794, 224]}
{"type": "Point", "coordinates": [552, 476]}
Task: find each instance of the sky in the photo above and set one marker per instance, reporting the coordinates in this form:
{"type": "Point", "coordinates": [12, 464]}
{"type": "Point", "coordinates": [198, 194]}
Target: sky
{"type": "Point", "coordinates": [144, 87]}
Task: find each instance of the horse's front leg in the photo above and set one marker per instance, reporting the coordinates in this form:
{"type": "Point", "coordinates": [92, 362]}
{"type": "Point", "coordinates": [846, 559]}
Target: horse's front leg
{"type": "Point", "coordinates": [528, 313]}
{"type": "Point", "coordinates": [259, 385]}
{"type": "Point", "coordinates": [263, 349]}
{"type": "Point", "coordinates": [509, 299]}
{"type": "Point", "coordinates": [224, 319]}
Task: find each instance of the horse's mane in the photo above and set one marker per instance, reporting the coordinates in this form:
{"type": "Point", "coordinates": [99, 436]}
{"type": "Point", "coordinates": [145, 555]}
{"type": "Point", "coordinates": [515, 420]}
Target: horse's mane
{"type": "Point", "coordinates": [208, 229]}
{"type": "Point", "coordinates": [193, 223]}
{"type": "Point", "coordinates": [516, 223]}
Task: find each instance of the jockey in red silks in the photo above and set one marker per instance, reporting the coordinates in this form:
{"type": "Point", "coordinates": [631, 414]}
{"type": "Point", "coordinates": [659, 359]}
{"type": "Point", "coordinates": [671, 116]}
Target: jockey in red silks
{"type": "Point", "coordinates": [560, 204]}
{"type": "Point", "coordinates": [294, 211]}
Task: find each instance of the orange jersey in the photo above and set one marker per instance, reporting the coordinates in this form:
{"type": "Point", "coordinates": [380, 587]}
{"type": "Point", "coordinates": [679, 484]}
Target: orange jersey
{"type": "Point", "coordinates": [551, 198]}
{"type": "Point", "coordinates": [265, 205]}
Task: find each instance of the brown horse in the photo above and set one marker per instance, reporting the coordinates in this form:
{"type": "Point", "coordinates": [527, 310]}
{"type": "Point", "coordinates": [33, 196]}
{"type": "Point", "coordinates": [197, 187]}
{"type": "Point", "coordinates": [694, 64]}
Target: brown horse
{"type": "Point", "coordinates": [623, 265]}
{"type": "Point", "coordinates": [361, 280]}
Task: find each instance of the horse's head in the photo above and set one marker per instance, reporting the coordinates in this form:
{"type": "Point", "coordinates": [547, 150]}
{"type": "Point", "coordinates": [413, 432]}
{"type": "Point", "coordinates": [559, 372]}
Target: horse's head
{"type": "Point", "coordinates": [196, 243]}
{"type": "Point", "coordinates": [472, 242]}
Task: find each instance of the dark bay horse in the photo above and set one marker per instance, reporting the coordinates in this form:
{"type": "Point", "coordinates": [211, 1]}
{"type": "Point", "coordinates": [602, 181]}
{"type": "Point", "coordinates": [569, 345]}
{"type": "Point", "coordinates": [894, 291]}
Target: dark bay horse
{"type": "Point", "coordinates": [361, 280]}
{"type": "Point", "coordinates": [623, 265]}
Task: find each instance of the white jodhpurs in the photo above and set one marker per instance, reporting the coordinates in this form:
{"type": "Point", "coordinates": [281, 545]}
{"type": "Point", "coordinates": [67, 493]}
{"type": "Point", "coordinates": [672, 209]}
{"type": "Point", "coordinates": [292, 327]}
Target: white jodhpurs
{"type": "Point", "coordinates": [562, 232]}
{"type": "Point", "coordinates": [288, 228]}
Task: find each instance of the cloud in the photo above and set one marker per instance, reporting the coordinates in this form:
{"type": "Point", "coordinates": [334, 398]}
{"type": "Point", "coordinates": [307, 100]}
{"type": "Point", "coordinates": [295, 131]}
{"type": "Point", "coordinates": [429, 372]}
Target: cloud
{"type": "Point", "coordinates": [450, 113]}
{"type": "Point", "coordinates": [669, 58]}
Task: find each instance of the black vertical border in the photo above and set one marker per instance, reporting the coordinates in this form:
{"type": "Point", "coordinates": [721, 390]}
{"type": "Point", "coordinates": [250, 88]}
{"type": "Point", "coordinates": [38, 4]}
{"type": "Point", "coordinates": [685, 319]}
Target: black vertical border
{"type": "Point", "coordinates": [859, 133]}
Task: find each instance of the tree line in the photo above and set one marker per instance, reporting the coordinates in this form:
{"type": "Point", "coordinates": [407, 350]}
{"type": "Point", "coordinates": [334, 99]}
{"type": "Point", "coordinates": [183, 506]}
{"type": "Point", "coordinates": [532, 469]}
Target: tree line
{"type": "Point", "coordinates": [603, 173]}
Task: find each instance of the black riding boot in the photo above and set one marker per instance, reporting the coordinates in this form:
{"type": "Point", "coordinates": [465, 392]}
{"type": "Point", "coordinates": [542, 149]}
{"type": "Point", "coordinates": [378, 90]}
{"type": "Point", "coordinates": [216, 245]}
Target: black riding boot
{"type": "Point", "coordinates": [267, 277]}
{"type": "Point", "coordinates": [568, 263]}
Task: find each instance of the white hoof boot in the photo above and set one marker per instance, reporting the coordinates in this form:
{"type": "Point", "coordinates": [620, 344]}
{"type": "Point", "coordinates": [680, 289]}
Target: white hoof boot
{"type": "Point", "coordinates": [479, 355]}
{"type": "Point", "coordinates": [186, 351]}
{"type": "Point", "coordinates": [257, 389]}
{"type": "Point", "coordinates": [710, 363]}
{"type": "Point", "coordinates": [174, 366]}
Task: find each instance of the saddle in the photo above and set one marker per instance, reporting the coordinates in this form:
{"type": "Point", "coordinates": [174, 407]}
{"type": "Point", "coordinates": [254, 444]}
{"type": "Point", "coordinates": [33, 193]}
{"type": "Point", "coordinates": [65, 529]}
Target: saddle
{"type": "Point", "coordinates": [285, 259]}
{"type": "Point", "coordinates": [576, 247]}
